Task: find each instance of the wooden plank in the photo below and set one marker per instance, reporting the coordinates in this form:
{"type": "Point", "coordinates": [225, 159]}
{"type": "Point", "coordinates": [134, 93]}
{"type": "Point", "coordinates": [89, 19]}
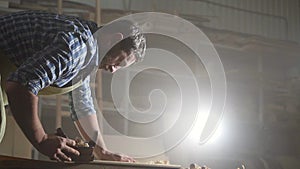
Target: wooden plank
{"type": "Point", "coordinates": [28, 6]}
{"type": "Point", "coordinates": [98, 12]}
{"type": "Point", "coordinates": [4, 4]}
{"type": "Point", "coordinates": [7, 162]}
{"type": "Point", "coordinates": [59, 6]}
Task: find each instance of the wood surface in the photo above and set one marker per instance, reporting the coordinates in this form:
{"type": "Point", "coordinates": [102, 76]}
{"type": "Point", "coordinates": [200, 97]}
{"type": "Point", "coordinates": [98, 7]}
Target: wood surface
{"type": "Point", "coordinates": [8, 162]}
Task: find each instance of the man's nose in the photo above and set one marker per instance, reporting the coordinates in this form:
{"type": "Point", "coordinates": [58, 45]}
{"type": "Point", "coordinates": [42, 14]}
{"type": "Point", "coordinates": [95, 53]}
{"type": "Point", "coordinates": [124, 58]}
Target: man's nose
{"type": "Point", "coordinates": [113, 69]}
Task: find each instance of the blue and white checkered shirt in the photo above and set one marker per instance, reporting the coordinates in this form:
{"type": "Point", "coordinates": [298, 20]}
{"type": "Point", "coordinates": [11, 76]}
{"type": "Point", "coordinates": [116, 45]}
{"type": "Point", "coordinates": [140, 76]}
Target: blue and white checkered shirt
{"type": "Point", "coordinates": [51, 49]}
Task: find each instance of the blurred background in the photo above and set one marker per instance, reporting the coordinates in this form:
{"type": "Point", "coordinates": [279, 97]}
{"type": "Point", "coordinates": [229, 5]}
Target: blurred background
{"type": "Point", "coordinates": [258, 44]}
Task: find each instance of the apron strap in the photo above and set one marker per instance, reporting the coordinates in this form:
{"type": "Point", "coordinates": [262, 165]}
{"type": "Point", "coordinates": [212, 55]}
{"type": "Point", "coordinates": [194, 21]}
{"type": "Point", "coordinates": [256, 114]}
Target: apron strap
{"type": "Point", "coordinates": [56, 90]}
{"type": "Point", "coordinates": [2, 115]}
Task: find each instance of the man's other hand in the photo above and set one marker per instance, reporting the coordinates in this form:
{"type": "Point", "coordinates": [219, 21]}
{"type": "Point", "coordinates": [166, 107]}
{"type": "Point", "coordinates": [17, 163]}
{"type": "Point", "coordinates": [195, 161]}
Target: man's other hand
{"type": "Point", "coordinates": [110, 156]}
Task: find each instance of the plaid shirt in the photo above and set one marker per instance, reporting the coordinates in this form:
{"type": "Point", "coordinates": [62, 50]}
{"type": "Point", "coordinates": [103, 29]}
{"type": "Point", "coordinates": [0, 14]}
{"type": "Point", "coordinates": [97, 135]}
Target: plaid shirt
{"type": "Point", "coordinates": [51, 49]}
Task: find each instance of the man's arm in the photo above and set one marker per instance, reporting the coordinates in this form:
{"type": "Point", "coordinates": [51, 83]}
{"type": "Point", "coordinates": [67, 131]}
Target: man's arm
{"type": "Point", "coordinates": [85, 118]}
{"type": "Point", "coordinates": [89, 123]}
{"type": "Point", "coordinates": [88, 127]}
{"type": "Point", "coordinates": [24, 107]}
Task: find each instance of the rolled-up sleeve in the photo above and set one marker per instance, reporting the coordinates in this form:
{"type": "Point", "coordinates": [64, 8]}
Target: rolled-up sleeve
{"type": "Point", "coordinates": [81, 101]}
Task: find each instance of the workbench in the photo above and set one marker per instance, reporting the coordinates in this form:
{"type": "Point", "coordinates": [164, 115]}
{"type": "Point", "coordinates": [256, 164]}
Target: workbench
{"type": "Point", "coordinates": [8, 162]}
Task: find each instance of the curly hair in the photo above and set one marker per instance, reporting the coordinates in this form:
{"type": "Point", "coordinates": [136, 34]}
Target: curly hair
{"type": "Point", "coordinates": [134, 40]}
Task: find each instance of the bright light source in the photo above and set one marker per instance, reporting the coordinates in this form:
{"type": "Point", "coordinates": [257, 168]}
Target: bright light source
{"type": "Point", "coordinates": [218, 134]}
{"type": "Point", "coordinates": [198, 126]}
{"type": "Point", "coordinates": [195, 134]}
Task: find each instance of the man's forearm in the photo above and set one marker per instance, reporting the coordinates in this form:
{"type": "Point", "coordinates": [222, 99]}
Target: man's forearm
{"type": "Point", "coordinates": [88, 126]}
{"type": "Point", "coordinates": [24, 107]}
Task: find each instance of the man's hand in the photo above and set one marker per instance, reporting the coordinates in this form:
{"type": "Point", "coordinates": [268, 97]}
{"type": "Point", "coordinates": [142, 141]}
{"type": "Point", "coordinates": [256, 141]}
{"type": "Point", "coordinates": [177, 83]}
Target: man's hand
{"type": "Point", "coordinates": [90, 123]}
{"type": "Point", "coordinates": [118, 157]}
{"type": "Point", "coordinates": [57, 148]}
{"type": "Point", "coordinates": [107, 155]}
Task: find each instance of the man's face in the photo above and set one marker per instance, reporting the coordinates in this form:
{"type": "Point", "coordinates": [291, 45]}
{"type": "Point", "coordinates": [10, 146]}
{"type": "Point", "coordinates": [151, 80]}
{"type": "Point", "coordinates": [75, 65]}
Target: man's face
{"type": "Point", "coordinates": [116, 60]}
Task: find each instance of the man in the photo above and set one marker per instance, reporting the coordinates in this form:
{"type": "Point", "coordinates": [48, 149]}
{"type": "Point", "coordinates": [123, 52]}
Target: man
{"type": "Point", "coordinates": [54, 52]}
